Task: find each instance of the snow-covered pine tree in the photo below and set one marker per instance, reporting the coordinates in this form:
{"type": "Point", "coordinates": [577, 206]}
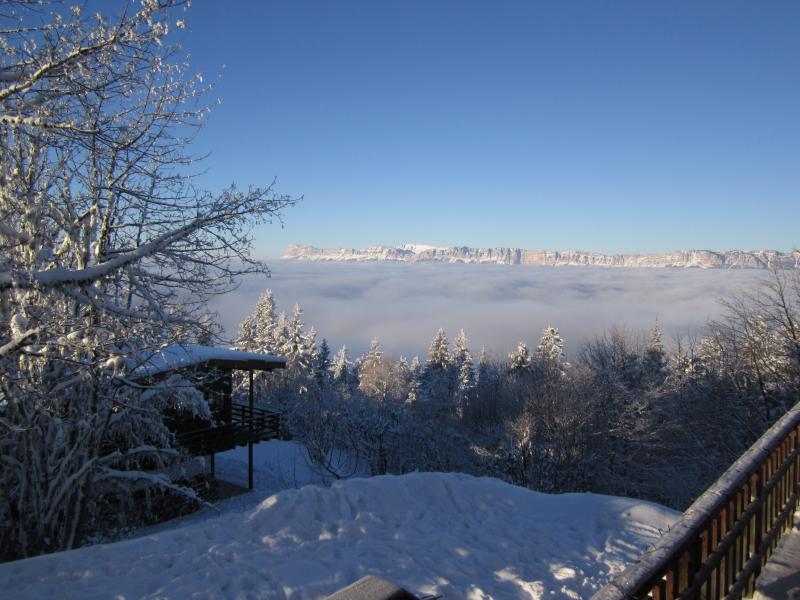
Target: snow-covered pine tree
{"type": "Point", "coordinates": [414, 381]}
{"type": "Point", "coordinates": [655, 359]}
{"type": "Point", "coordinates": [340, 368]}
{"type": "Point", "coordinates": [401, 380]}
{"type": "Point", "coordinates": [281, 337]}
{"type": "Point", "coordinates": [520, 361]}
{"type": "Point", "coordinates": [263, 333]}
{"type": "Point", "coordinates": [299, 353]}
{"type": "Point", "coordinates": [486, 406]}
{"type": "Point", "coordinates": [310, 347]}
{"type": "Point", "coordinates": [264, 324]}
{"type": "Point", "coordinates": [462, 362]}
{"type": "Point", "coordinates": [310, 351]}
{"type": "Point", "coordinates": [294, 346]}
{"type": "Point", "coordinates": [322, 361]}
{"type": "Point", "coordinates": [373, 380]}
{"type": "Point", "coordinates": [438, 355]}
{"type": "Point", "coordinates": [246, 339]}
{"type": "Point", "coordinates": [551, 347]}
{"type": "Point", "coordinates": [403, 368]}
{"type": "Point", "coordinates": [550, 359]}
{"type": "Point", "coordinates": [482, 373]}
{"type": "Point", "coordinates": [438, 379]}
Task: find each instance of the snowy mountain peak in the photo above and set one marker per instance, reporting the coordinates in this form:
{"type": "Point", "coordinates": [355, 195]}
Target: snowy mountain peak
{"type": "Point", "coordinates": [703, 259]}
{"type": "Point", "coordinates": [420, 248]}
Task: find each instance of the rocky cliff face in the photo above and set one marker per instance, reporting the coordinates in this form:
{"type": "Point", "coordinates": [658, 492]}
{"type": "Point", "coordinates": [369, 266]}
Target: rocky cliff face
{"type": "Point", "coordinates": [703, 259]}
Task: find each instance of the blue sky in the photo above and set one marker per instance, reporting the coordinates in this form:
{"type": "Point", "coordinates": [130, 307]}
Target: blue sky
{"type": "Point", "coordinates": [608, 126]}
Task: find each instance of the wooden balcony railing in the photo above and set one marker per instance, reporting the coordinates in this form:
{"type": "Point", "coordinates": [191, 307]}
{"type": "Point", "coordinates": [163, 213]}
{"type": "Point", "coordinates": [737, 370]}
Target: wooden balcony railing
{"type": "Point", "coordinates": [248, 425]}
{"type": "Point", "coordinates": [719, 545]}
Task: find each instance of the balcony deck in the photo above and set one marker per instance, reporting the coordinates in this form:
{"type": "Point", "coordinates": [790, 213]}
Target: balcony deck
{"type": "Point", "coordinates": [247, 426]}
{"type": "Point", "coordinates": [780, 577]}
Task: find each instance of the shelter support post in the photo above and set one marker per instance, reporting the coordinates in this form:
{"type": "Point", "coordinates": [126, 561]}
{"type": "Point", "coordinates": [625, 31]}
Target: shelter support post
{"type": "Point", "coordinates": [250, 444]}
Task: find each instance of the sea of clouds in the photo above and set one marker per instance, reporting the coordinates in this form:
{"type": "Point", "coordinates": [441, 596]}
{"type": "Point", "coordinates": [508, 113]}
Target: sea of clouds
{"type": "Point", "coordinates": [404, 304]}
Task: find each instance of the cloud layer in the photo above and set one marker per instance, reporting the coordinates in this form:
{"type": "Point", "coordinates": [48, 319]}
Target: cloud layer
{"type": "Point", "coordinates": [404, 304]}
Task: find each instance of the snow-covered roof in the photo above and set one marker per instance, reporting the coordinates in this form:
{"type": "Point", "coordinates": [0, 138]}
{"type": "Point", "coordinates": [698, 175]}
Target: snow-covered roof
{"type": "Point", "coordinates": [181, 356]}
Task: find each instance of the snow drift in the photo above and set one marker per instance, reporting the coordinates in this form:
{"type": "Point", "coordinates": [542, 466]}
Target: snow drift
{"type": "Point", "coordinates": [448, 533]}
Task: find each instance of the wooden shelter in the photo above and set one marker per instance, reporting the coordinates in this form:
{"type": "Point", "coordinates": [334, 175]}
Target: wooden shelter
{"type": "Point", "coordinates": [211, 370]}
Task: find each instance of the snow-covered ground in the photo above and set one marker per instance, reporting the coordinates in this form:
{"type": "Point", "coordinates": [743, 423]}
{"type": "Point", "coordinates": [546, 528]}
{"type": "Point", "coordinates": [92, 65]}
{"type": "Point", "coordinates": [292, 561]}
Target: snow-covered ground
{"type": "Point", "coordinates": [445, 533]}
{"type": "Point", "coordinates": [277, 466]}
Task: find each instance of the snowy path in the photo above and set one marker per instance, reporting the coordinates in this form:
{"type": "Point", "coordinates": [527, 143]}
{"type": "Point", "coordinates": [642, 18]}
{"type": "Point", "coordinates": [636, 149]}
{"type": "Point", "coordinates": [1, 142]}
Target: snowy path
{"type": "Point", "coordinates": [460, 536]}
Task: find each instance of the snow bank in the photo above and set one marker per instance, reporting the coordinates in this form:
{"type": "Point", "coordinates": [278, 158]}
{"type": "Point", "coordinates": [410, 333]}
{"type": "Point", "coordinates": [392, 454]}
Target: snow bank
{"type": "Point", "coordinates": [453, 534]}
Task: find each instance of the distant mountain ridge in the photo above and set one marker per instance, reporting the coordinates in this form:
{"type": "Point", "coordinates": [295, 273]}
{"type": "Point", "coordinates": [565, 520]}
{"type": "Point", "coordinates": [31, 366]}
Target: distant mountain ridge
{"type": "Point", "coordinates": [702, 259]}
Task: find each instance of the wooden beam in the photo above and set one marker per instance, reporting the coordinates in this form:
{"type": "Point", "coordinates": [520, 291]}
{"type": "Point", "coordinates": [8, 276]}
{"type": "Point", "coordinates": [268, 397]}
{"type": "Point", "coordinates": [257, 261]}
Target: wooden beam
{"type": "Point", "coordinates": [250, 444]}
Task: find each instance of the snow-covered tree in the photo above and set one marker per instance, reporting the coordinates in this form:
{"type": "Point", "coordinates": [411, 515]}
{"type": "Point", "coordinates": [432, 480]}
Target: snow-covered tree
{"type": "Point", "coordinates": [437, 380]}
{"type": "Point", "coordinates": [340, 367]}
{"type": "Point", "coordinates": [322, 361]}
{"type": "Point", "coordinates": [310, 347]}
{"type": "Point", "coordinates": [551, 347]}
{"type": "Point", "coordinates": [372, 373]}
{"type": "Point", "coordinates": [483, 408]}
{"type": "Point", "coordinates": [107, 248]}
{"type": "Point", "coordinates": [280, 333]}
{"type": "Point", "coordinates": [520, 361]}
{"type": "Point", "coordinates": [294, 346]}
{"type": "Point", "coordinates": [465, 370]}
{"type": "Point", "coordinates": [414, 375]}
{"type": "Point", "coordinates": [711, 355]}
{"type": "Point", "coordinates": [654, 362]}
{"type": "Point", "coordinates": [246, 339]}
{"type": "Point", "coordinates": [264, 324]}
{"type": "Point", "coordinates": [438, 355]}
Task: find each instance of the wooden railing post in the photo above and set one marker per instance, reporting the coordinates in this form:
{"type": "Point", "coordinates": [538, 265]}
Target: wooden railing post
{"type": "Point", "coordinates": [796, 474]}
{"type": "Point", "coordinates": [759, 526]}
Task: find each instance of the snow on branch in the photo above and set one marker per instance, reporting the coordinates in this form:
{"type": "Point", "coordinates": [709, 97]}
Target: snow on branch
{"type": "Point", "coordinates": [18, 341]}
{"type": "Point", "coordinates": [252, 203]}
{"type": "Point", "coordinates": [155, 479]}
{"type": "Point", "coordinates": [56, 65]}
{"type": "Point", "coordinates": [43, 123]}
